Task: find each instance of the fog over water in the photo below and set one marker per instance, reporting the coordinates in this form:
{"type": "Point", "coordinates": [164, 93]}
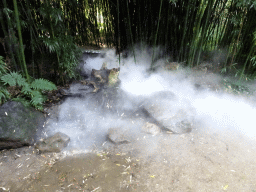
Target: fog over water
{"type": "Point", "coordinates": [231, 117]}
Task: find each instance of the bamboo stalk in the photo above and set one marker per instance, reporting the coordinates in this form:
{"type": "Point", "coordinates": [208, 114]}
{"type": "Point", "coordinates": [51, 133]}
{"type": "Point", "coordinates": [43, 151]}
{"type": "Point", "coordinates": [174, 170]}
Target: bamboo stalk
{"type": "Point", "coordinates": [21, 48]}
{"type": "Point", "coordinates": [130, 30]}
{"type": "Point", "coordinates": [8, 40]}
{"type": "Point", "coordinates": [180, 57]}
{"type": "Point", "coordinates": [159, 17]}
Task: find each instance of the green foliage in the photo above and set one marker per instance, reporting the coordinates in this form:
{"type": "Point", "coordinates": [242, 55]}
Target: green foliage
{"type": "Point", "coordinates": [23, 100]}
{"type": "Point", "coordinates": [32, 91]}
{"type": "Point", "coordinates": [58, 42]}
{"type": "Point", "coordinates": [37, 98]}
{"type": "Point", "coordinates": [8, 79]}
{"type": "Point", "coordinates": [7, 12]}
{"type": "Point", "coordinates": [13, 78]}
{"type": "Point", "coordinates": [26, 89]}
{"type": "Point", "coordinates": [68, 54]}
{"type": "Point", "coordinates": [231, 68]}
{"type": "Point", "coordinates": [253, 60]}
{"type": "Point", "coordinates": [4, 94]}
{"type": "Point", "coordinates": [54, 15]}
{"type": "Point", "coordinates": [184, 28]}
{"type": "Point", "coordinates": [42, 84]}
{"type": "Point", "coordinates": [3, 68]}
{"type": "Point", "coordinates": [237, 88]}
{"type": "Point", "coordinates": [247, 3]}
{"type": "Point", "coordinates": [173, 1]}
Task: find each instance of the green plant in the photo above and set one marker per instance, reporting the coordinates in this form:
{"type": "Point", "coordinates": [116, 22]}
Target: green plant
{"type": "Point", "coordinates": [236, 88]}
{"type": "Point", "coordinates": [21, 48]}
{"type": "Point", "coordinates": [3, 67]}
{"type": "Point", "coordinates": [4, 94]}
{"type": "Point", "coordinates": [68, 53]}
{"type": "Point", "coordinates": [59, 43]}
{"type": "Point", "coordinates": [27, 91]}
{"type": "Point", "coordinates": [227, 69]}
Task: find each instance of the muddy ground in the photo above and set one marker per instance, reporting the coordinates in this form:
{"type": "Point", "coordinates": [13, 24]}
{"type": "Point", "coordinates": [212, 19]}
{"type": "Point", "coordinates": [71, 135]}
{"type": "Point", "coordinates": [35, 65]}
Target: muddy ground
{"type": "Point", "coordinates": [196, 161]}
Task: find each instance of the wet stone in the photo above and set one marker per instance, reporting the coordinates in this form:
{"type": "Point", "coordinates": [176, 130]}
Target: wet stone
{"type": "Point", "coordinates": [54, 143]}
{"type": "Point", "coordinates": [170, 114]}
{"type": "Point", "coordinates": [19, 125]}
{"type": "Point", "coordinates": [119, 136]}
{"type": "Point", "coordinates": [151, 128]}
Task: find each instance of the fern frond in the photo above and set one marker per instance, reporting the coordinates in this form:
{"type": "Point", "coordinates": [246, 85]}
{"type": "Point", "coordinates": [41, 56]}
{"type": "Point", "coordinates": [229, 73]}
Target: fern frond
{"type": "Point", "coordinates": [43, 84]}
{"type": "Point", "coordinates": [26, 90]}
{"type": "Point", "coordinates": [21, 81]}
{"type": "Point", "coordinates": [4, 94]}
{"type": "Point", "coordinates": [13, 79]}
{"type": "Point", "coordinates": [37, 99]}
{"type": "Point", "coordinates": [22, 100]}
{"type": "Point", "coordinates": [9, 79]}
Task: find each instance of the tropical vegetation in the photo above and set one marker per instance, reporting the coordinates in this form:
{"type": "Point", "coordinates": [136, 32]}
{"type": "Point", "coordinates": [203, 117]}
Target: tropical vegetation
{"type": "Point", "coordinates": [41, 38]}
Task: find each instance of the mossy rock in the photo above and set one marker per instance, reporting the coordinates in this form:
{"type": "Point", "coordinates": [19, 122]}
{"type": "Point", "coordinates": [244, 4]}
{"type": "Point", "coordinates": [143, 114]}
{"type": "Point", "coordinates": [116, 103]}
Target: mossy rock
{"type": "Point", "coordinates": [19, 124]}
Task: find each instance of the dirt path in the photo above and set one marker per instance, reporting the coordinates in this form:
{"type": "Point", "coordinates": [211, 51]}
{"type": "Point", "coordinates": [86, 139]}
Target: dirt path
{"type": "Point", "coordinates": [189, 162]}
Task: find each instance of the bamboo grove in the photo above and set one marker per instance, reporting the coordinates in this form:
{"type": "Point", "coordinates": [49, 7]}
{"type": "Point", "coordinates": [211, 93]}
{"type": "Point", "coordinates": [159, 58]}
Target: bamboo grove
{"type": "Point", "coordinates": [44, 34]}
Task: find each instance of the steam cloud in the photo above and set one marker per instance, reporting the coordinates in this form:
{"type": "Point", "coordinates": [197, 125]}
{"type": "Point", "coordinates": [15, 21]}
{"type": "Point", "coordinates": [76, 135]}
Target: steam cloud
{"type": "Point", "coordinates": [214, 113]}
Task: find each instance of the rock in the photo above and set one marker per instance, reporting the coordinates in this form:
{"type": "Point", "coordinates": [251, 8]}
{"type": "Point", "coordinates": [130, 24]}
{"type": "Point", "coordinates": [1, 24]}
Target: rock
{"type": "Point", "coordinates": [119, 136]}
{"type": "Point", "coordinates": [11, 144]}
{"type": "Point", "coordinates": [19, 125]}
{"type": "Point", "coordinates": [103, 77]}
{"type": "Point", "coordinates": [151, 128]}
{"type": "Point", "coordinates": [170, 113]}
{"type": "Point", "coordinates": [54, 143]}
{"type": "Point", "coordinates": [113, 77]}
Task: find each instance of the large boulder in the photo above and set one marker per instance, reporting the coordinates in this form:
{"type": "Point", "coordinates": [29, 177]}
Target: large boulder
{"type": "Point", "coordinates": [170, 113]}
{"type": "Point", "coordinates": [19, 125]}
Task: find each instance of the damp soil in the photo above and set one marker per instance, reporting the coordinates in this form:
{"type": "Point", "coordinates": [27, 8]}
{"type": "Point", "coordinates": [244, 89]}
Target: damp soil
{"type": "Point", "coordinates": [188, 162]}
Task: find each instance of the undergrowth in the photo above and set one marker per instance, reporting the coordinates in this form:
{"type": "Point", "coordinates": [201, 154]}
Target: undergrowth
{"type": "Point", "coordinates": [68, 54]}
{"type": "Point", "coordinates": [15, 87]}
{"type": "Point", "coordinates": [237, 88]}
